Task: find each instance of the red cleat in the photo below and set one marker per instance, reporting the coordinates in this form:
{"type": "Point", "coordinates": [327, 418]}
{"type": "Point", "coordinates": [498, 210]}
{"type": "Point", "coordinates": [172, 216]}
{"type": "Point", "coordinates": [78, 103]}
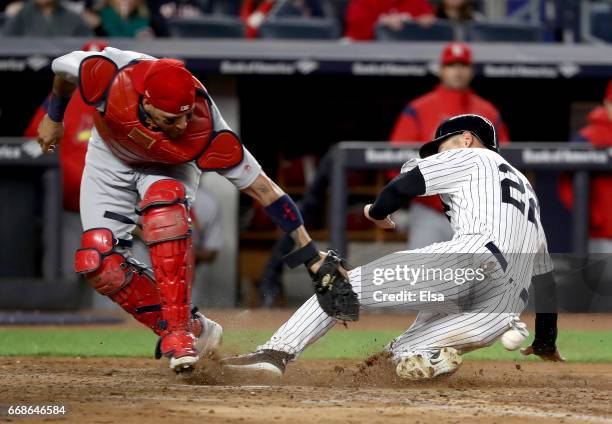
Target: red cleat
{"type": "Point", "coordinates": [179, 347]}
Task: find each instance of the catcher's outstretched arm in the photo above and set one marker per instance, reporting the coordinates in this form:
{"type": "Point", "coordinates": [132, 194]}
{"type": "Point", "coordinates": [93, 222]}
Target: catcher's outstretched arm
{"type": "Point", "coordinates": [284, 212]}
{"type": "Point", "coordinates": [332, 288]}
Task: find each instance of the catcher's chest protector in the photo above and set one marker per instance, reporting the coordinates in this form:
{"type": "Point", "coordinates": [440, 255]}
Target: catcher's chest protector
{"type": "Point", "coordinates": [123, 131]}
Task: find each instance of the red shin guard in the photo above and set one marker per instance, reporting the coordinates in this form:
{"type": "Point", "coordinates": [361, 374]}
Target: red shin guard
{"type": "Point", "coordinates": [166, 230]}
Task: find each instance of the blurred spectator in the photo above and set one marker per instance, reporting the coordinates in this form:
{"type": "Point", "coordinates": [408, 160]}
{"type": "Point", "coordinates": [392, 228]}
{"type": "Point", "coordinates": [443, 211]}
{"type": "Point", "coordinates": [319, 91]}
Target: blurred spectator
{"type": "Point", "coordinates": [363, 15]}
{"type": "Point", "coordinates": [193, 8]}
{"type": "Point", "coordinates": [598, 132]}
{"type": "Point", "coordinates": [254, 12]}
{"type": "Point", "coordinates": [124, 18]}
{"type": "Point", "coordinates": [418, 122]}
{"type": "Point", "coordinates": [303, 8]}
{"type": "Point", "coordinates": [183, 9]}
{"type": "Point", "coordinates": [46, 18]}
{"type": "Point", "coordinates": [457, 10]}
{"type": "Point", "coordinates": [13, 8]}
{"type": "Point", "coordinates": [161, 10]}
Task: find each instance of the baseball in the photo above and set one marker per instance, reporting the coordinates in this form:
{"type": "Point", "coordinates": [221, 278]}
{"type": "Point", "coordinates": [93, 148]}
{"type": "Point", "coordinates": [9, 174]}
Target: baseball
{"type": "Point", "coordinates": [512, 339]}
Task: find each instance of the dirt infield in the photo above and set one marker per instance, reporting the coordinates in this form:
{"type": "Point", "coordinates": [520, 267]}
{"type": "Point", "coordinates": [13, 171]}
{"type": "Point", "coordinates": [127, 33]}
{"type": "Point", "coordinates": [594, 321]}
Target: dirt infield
{"type": "Point", "coordinates": [111, 390]}
{"type": "Point", "coordinates": [139, 390]}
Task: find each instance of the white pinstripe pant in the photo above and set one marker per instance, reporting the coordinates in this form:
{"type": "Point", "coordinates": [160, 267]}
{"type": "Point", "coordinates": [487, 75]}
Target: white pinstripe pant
{"type": "Point", "coordinates": [491, 307]}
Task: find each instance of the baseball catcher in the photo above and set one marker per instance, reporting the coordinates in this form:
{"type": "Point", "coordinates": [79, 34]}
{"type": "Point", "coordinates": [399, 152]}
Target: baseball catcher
{"type": "Point", "coordinates": [156, 128]}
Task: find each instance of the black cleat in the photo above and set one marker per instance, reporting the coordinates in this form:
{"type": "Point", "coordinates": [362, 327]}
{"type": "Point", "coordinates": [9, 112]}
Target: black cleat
{"type": "Point", "coordinates": [265, 363]}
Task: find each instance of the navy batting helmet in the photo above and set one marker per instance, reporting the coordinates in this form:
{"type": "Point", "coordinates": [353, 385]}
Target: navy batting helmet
{"type": "Point", "coordinates": [481, 127]}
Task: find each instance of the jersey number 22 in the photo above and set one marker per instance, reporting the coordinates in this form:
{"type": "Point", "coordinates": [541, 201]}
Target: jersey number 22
{"type": "Point", "coordinates": [507, 184]}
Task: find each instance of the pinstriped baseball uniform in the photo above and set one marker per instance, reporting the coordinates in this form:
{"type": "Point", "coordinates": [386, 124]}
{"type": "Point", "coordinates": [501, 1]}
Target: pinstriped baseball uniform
{"type": "Point", "coordinates": [494, 213]}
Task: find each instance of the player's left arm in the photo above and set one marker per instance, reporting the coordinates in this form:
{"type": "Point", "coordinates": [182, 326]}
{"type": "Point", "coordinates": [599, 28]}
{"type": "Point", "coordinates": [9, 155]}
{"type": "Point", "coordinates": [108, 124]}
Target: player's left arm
{"type": "Point", "coordinates": [328, 271]}
{"type": "Point", "coordinates": [545, 341]}
{"type": "Point", "coordinates": [284, 212]}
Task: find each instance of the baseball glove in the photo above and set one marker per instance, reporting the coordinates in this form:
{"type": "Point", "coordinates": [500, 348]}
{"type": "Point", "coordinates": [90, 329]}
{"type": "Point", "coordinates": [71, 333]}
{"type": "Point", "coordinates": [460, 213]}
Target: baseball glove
{"type": "Point", "coordinates": [334, 292]}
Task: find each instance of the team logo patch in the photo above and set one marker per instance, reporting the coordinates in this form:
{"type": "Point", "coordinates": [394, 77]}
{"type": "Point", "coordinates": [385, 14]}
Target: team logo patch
{"type": "Point", "coordinates": [141, 138]}
{"type": "Point", "coordinates": [457, 50]}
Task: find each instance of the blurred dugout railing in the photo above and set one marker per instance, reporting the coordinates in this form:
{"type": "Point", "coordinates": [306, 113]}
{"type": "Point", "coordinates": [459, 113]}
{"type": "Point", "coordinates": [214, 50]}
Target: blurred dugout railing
{"type": "Point", "coordinates": [579, 158]}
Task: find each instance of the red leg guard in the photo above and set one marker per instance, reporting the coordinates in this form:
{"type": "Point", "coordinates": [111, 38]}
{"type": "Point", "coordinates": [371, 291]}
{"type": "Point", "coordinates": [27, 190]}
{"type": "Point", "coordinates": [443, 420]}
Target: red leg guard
{"type": "Point", "coordinates": [111, 275]}
{"type": "Point", "coordinates": [166, 230]}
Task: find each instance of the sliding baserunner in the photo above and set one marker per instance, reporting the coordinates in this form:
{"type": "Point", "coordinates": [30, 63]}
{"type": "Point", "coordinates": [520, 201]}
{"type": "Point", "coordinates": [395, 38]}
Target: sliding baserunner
{"type": "Point", "coordinates": [468, 291]}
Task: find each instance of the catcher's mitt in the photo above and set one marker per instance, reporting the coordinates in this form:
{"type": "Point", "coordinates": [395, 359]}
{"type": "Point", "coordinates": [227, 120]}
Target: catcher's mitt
{"type": "Point", "coordinates": [333, 290]}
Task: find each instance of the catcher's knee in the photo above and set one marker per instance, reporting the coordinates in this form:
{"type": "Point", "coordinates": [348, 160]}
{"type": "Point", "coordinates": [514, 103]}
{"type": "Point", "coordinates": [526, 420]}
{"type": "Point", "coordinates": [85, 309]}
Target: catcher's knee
{"type": "Point", "coordinates": [164, 211]}
{"type": "Point", "coordinates": [105, 268]}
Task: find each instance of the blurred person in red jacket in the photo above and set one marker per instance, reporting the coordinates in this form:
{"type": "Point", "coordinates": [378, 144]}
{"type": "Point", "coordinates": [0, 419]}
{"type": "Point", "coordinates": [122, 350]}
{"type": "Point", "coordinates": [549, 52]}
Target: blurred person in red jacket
{"type": "Point", "coordinates": [363, 15]}
{"type": "Point", "coordinates": [417, 123]}
{"type": "Point", "coordinates": [598, 132]}
{"type": "Point", "coordinates": [78, 122]}
{"type": "Point", "coordinates": [253, 13]}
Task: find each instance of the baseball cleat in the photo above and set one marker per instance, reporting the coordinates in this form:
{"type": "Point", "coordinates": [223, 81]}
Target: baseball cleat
{"type": "Point", "coordinates": [208, 333]}
{"type": "Point", "coordinates": [183, 364]}
{"type": "Point", "coordinates": [265, 363]}
{"type": "Point", "coordinates": [178, 346]}
{"type": "Point", "coordinates": [424, 365]}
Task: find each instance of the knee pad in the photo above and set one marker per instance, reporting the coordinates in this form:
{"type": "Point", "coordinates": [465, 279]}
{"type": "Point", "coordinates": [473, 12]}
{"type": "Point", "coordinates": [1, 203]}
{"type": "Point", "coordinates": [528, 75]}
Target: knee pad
{"type": "Point", "coordinates": [164, 212]}
{"type": "Point", "coordinates": [107, 270]}
{"type": "Point", "coordinates": [123, 280]}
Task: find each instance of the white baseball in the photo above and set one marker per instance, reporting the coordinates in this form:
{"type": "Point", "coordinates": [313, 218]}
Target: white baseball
{"type": "Point", "coordinates": [512, 339]}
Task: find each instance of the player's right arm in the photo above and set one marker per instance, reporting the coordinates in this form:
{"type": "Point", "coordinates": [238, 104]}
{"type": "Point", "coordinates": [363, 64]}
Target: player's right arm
{"type": "Point", "coordinates": [66, 69]}
{"type": "Point", "coordinates": [395, 195]}
{"type": "Point", "coordinates": [441, 173]}
{"type": "Point", "coordinates": [51, 128]}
